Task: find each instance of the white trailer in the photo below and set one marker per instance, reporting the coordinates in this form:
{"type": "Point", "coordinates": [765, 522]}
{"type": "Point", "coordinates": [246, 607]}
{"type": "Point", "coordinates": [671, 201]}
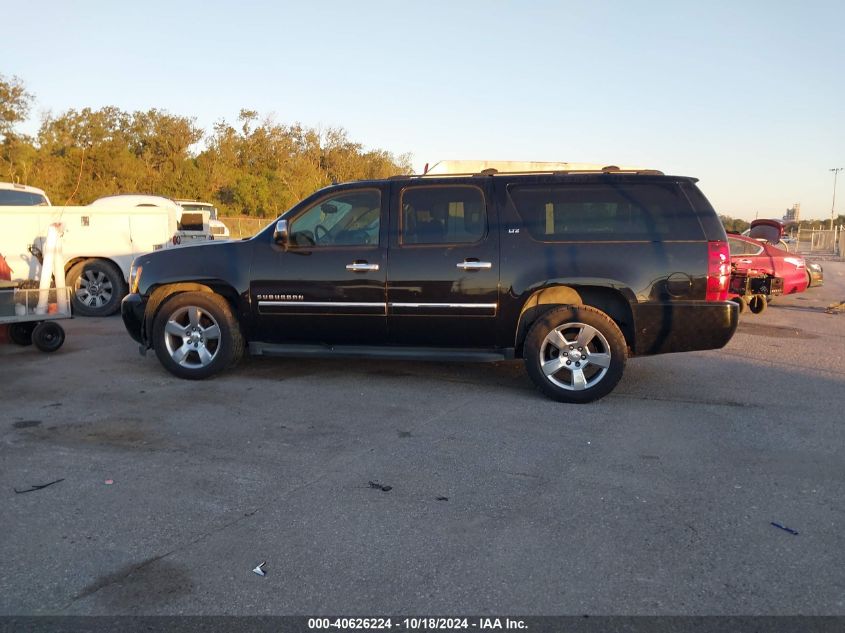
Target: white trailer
{"type": "Point", "coordinates": [99, 244]}
{"type": "Point", "coordinates": [100, 240]}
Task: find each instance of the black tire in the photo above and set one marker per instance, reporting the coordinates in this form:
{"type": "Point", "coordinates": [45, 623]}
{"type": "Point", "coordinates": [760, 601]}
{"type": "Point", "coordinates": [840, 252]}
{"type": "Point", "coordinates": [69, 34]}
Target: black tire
{"type": "Point", "coordinates": [48, 336]}
{"type": "Point", "coordinates": [97, 287]}
{"type": "Point", "coordinates": [205, 354]}
{"type": "Point", "coordinates": [757, 303]}
{"type": "Point", "coordinates": [604, 340]}
{"type": "Point", "coordinates": [21, 333]}
{"type": "Point", "coordinates": [742, 303]}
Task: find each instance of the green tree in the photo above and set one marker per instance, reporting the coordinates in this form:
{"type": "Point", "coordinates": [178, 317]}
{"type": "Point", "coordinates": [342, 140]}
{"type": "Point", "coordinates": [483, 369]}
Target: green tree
{"type": "Point", "coordinates": [734, 225]}
{"type": "Point", "coordinates": [259, 167]}
{"type": "Point", "coordinates": [15, 103]}
{"type": "Point", "coordinates": [17, 152]}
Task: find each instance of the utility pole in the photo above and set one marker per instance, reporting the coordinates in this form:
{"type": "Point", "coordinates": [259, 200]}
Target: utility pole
{"type": "Point", "coordinates": [835, 171]}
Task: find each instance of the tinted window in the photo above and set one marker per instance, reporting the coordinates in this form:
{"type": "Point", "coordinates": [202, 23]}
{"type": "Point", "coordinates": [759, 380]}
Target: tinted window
{"type": "Point", "coordinates": [605, 211]}
{"type": "Point", "coordinates": [12, 197]}
{"type": "Point", "coordinates": [443, 215]}
{"type": "Point", "coordinates": [347, 219]}
{"type": "Point", "coordinates": [697, 198]}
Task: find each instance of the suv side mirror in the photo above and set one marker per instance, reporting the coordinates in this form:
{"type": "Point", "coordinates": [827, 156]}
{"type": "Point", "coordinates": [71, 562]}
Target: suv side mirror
{"type": "Point", "coordinates": [280, 235]}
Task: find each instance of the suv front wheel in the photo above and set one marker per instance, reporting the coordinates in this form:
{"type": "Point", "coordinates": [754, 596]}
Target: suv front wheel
{"type": "Point", "coordinates": [195, 335]}
{"type": "Point", "coordinates": [575, 354]}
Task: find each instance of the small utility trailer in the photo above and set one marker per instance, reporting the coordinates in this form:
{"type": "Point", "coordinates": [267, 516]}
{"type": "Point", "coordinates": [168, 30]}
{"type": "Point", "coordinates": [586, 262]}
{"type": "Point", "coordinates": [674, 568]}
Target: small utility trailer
{"type": "Point", "coordinates": [752, 289]}
{"type": "Point", "coordinates": [32, 315]}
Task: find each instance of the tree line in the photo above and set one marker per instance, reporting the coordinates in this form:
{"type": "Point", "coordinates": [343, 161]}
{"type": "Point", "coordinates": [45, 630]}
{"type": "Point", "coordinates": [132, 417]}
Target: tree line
{"type": "Point", "coordinates": [258, 167]}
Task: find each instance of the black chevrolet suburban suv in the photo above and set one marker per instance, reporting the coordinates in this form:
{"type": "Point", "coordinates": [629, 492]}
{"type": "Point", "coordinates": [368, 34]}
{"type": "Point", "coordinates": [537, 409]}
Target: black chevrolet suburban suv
{"type": "Point", "coordinates": [572, 271]}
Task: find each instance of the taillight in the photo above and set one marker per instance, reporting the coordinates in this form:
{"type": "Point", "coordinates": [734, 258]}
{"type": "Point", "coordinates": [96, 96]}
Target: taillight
{"type": "Point", "coordinates": [718, 271]}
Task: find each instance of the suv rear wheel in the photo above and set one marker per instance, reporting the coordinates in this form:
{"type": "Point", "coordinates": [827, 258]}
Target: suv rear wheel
{"type": "Point", "coordinates": [195, 335]}
{"type": "Point", "coordinates": [575, 354]}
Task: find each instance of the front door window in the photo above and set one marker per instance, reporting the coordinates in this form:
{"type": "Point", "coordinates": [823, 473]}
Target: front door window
{"type": "Point", "coordinates": [348, 219]}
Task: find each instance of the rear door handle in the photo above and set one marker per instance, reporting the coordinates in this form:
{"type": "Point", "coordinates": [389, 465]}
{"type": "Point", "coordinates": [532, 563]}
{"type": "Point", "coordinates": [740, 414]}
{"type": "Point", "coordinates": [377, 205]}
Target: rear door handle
{"type": "Point", "coordinates": [474, 265]}
{"type": "Point", "coordinates": [361, 267]}
{"type": "Point", "coordinates": [744, 261]}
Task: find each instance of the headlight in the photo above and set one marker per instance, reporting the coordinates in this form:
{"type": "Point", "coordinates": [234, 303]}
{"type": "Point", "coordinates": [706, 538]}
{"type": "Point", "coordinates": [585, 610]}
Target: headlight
{"type": "Point", "coordinates": [134, 277]}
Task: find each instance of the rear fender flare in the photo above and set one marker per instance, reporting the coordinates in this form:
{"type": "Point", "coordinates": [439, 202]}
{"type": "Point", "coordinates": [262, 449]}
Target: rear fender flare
{"type": "Point", "coordinates": [612, 301]}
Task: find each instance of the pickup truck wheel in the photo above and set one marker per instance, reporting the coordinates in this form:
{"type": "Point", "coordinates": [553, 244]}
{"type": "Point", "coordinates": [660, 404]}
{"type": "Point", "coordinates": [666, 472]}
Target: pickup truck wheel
{"type": "Point", "coordinates": [98, 287]}
{"type": "Point", "coordinates": [575, 354]}
{"type": "Point", "coordinates": [195, 335]}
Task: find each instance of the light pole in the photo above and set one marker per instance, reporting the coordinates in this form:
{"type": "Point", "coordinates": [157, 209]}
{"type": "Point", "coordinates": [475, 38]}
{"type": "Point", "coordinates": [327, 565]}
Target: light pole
{"type": "Point", "coordinates": [835, 171]}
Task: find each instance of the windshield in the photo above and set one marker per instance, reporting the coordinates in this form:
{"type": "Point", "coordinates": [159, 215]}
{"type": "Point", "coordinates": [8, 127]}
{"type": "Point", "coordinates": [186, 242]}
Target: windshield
{"type": "Point", "coordinates": [13, 197]}
{"type": "Point", "coordinates": [201, 207]}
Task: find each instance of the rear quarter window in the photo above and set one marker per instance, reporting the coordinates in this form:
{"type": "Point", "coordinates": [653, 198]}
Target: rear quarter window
{"type": "Point", "coordinates": [605, 212]}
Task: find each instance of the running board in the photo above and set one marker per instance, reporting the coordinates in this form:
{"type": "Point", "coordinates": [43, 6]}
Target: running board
{"type": "Point", "coordinates": [396, 353]}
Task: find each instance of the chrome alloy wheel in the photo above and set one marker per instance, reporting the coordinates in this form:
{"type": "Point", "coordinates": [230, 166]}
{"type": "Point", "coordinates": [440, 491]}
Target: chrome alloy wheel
{"type": "Point", "coordinates": [93, 288]}
{"type": "Point", "coordinates": [192, 337]}
{"type": "Point", "coordinates": [575, 356]}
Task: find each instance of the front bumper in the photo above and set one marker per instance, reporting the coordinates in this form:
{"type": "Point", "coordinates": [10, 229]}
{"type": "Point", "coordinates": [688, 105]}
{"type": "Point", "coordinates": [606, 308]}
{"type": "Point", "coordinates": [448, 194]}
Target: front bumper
{"type": "Point", "coordinates": [684, 326]}
{"type": "Point", "coordinates": [132, 310]}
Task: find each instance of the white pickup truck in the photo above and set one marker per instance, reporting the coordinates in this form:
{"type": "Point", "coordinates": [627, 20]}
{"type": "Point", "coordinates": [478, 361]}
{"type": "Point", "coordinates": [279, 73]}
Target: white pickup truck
{"type": "Point", "coordinates": [99, 242]}
{"type": "Point", "coordinates": [219, 230]}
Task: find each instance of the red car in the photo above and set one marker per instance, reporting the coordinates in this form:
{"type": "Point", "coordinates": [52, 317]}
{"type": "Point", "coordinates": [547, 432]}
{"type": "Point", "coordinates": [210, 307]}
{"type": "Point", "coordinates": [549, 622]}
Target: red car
{"type": "Point", "coordinates": [754, 255]}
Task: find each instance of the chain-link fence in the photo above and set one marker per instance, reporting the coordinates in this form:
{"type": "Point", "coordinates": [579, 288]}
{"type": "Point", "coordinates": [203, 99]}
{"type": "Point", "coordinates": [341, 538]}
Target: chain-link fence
{"type": "Point", "coordinates": [244, 226]}
{"type": "Point", "coordinates": [819, 240]}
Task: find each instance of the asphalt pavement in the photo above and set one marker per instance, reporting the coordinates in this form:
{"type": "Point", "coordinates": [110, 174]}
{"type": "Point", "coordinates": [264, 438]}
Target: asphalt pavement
{"type": "Point", "coordinates": [658, 499]}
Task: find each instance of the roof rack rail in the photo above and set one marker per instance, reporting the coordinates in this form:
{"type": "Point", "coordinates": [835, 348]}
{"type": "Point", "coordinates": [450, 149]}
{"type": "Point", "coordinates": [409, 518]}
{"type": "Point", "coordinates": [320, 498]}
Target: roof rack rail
{"type": "Point", "coordinates": [557, 172]}
{"type": "Point", "coordinates": [500, 167]}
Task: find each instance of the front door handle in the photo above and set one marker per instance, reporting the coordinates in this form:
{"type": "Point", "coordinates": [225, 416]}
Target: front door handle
{"type": "Point", "coordinates": [474, 265]}
{"type": "Point", "coordinates": [361, 267]}
{"type": "Point", "coordinates": [744, 261]}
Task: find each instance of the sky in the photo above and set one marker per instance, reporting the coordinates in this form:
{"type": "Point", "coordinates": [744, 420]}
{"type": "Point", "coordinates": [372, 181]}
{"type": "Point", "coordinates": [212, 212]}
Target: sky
{"type": "Point", "coordinates": [747, 96]}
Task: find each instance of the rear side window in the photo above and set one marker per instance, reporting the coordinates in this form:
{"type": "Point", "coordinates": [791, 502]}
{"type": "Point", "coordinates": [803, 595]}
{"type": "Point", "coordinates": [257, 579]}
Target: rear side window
{"type": "Point", "coordinates": [741, 247]}
{"type": "Point", "coordinates": [444, 214]}
{"type": "Point", "coordinates": [605, 212]}
{"type": "Point", "coordinates": [10, 197]}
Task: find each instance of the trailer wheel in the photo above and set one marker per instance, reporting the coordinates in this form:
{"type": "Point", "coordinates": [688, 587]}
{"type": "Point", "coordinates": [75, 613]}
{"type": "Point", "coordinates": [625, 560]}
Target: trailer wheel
{"type": "Point", "coordinates": [757, 303]}
{"type": "Point", "coordinates": [98, 287]}
{"type": "Point", "coordinates": [48, 336]}
{"type": "Point", "coordinates": [21, 333]}
{"type": "Point", "coordinates": [741, 302]}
